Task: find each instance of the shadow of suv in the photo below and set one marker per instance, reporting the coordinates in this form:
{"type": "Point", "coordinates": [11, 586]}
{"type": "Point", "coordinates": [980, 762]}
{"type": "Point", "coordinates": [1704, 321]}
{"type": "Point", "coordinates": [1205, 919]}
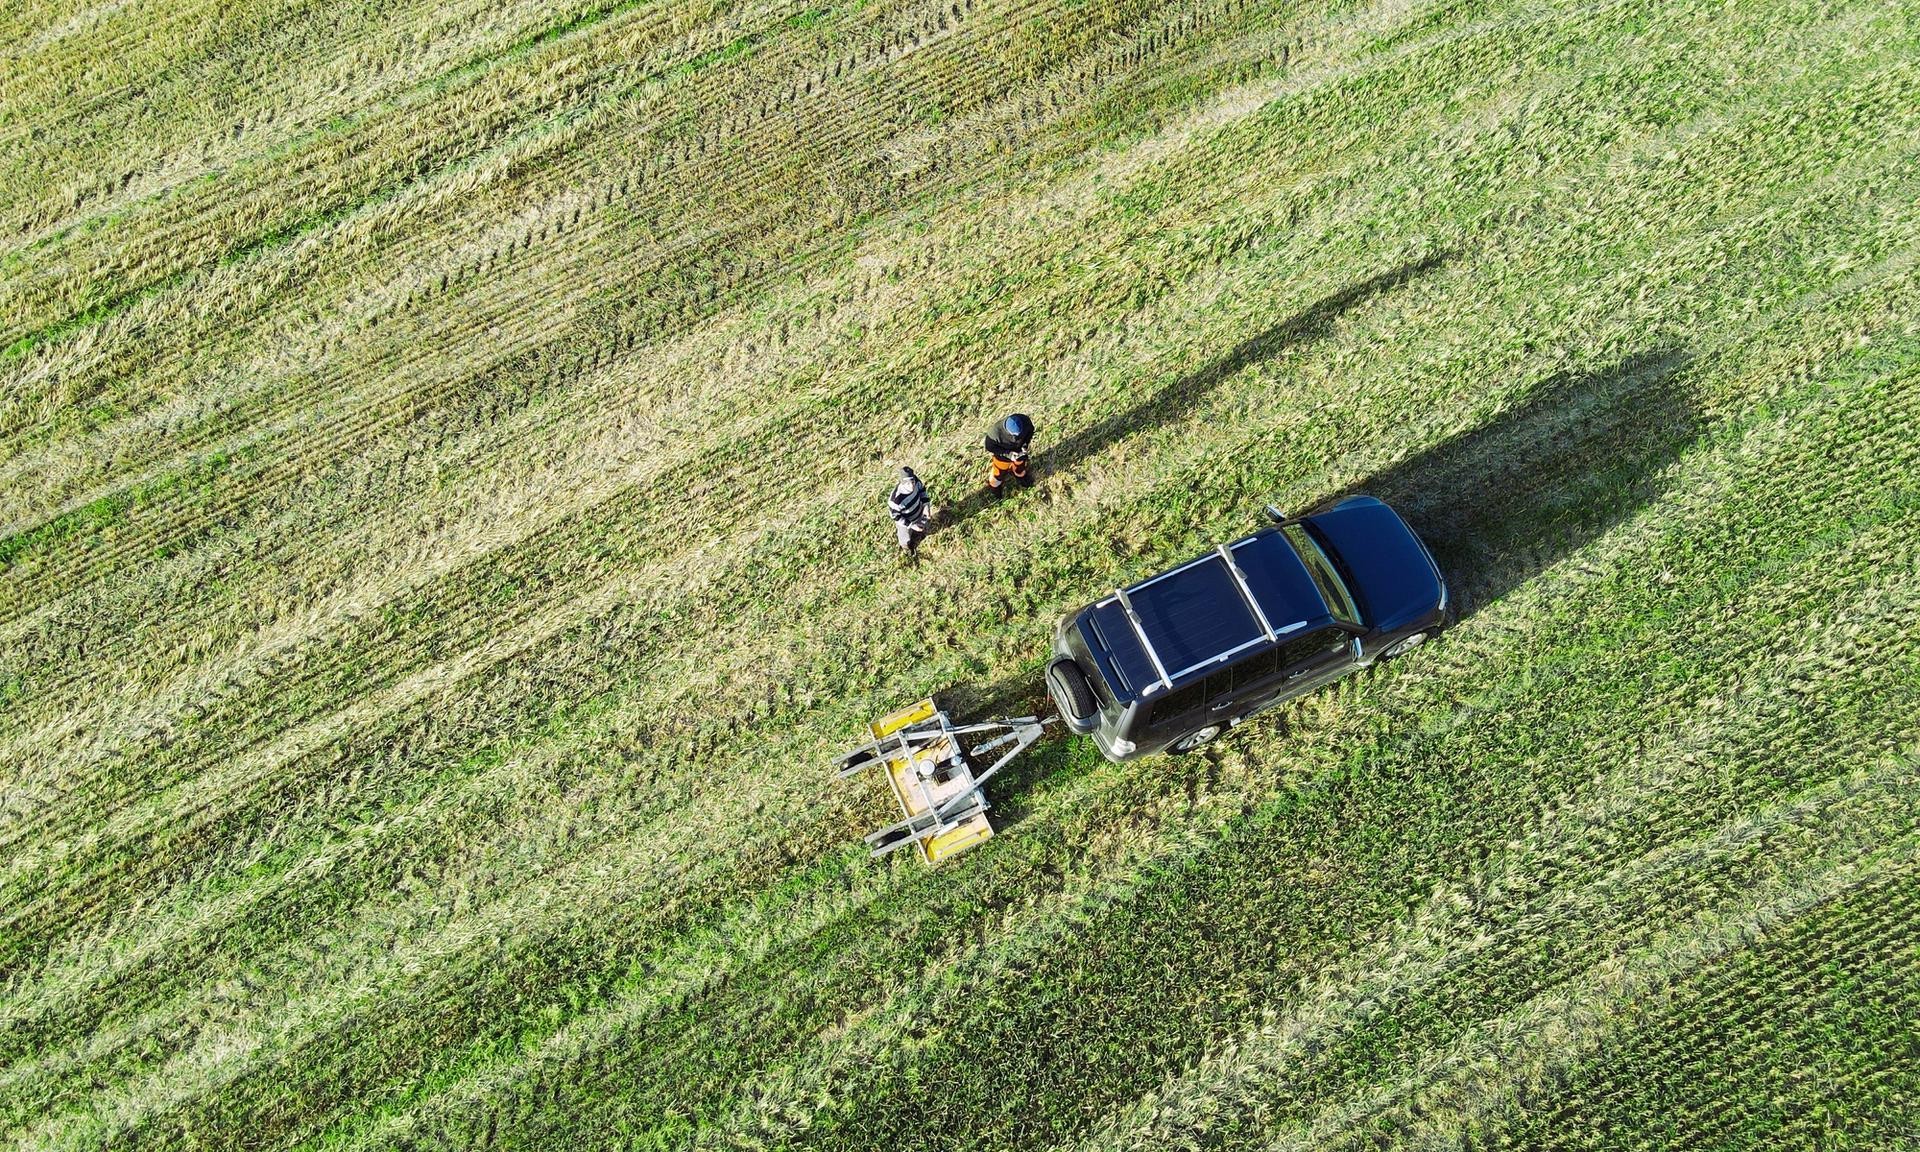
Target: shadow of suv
{"type": "Point", "coordinates": [1170, 663]}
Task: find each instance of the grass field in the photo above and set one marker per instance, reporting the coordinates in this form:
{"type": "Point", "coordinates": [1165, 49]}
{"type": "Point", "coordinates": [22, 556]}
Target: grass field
{"type": "Point", "coordinates": [443, 451]}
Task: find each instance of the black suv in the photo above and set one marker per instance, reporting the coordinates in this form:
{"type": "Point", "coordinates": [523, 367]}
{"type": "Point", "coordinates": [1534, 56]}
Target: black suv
{"type": "Point", "coordinates": [1170, 663]}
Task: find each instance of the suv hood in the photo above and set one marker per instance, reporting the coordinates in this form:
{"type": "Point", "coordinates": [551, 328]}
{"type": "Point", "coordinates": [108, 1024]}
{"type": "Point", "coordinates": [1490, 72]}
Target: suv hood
{"type": "Point", "coordinates": [1393, 575]}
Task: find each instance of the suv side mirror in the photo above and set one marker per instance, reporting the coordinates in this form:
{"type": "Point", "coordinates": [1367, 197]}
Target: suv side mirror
{"type": "Point", "coordinates": [1276, 513]}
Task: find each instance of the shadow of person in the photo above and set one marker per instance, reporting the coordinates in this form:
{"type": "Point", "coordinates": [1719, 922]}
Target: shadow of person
{"type": "Point", "coordinates": [1169, 402]}
{"type": "Point", "coordinates": [1582, 452]}
{"type": "Point", "coordinates": [977, 498]}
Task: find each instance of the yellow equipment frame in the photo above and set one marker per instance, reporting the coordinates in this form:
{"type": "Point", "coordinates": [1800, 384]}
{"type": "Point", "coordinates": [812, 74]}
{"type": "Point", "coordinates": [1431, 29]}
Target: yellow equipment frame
{"type": "Point", "coordinates": [943, 810]}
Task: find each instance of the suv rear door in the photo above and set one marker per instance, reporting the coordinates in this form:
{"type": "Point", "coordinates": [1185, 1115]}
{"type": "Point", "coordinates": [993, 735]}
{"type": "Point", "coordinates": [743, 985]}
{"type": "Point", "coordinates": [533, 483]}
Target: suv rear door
{"type": "Point", "coordinates": [1185, 709]}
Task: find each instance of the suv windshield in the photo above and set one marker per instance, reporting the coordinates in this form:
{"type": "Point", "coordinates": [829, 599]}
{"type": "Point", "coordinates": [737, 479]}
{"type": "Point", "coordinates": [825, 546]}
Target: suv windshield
{"type": "Point", "coordinates": [1325, 576]}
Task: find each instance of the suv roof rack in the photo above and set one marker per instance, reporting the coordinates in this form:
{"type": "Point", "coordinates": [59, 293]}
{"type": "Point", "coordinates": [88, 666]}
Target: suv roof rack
{"type": "Point", "coordinates": [1260, 602]}
{"type": "Point", "coordinates": [1246, 592]}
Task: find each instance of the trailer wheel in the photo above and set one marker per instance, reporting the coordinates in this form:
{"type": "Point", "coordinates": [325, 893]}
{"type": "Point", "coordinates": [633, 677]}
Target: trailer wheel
{"type": "Point", "coordinates": [853, 761]}
{"type": "Point", "coordinates": [1071, 690]}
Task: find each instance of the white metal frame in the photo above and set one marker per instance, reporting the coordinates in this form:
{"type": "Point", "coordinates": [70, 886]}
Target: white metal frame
{"type": "Point", "coordinates": [968, 800]}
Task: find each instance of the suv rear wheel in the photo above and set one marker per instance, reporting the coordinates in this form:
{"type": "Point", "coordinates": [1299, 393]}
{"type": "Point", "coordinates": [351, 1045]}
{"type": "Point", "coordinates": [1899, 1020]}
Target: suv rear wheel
{"type": "Point", "coordinates": [1196, 738]}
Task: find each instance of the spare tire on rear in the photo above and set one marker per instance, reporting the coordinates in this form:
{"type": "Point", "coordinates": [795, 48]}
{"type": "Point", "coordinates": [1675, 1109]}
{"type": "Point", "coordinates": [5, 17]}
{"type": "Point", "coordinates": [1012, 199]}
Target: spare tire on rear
{"type": "Point", "coordinates": [1068, 684]}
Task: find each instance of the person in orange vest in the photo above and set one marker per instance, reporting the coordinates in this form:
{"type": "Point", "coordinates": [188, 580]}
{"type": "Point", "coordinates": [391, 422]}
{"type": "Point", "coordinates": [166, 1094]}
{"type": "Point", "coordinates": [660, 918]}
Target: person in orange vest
{"type": "Point", "coordinates": [1007, 448]}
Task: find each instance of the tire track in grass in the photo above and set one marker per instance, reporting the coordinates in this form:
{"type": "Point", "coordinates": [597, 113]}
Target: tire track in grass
{"type": "Point", "coordinates": [309, 159]}
{"type": "Point", "coordinates": [357, 866]}
{"type": "Point", "coordinates": [191, 812]}
{"type": "Point", "coordinates": [19, 20]}
{"type": "Point", "coordinates": [1884, 954]}
{"type": "Point", "coordinates": [223, 55]}
{"type": "Point", "coordinates": [1499, 965]}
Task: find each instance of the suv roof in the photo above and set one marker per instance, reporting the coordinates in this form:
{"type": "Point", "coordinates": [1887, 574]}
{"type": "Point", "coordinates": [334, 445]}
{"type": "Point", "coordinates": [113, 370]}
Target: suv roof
{"type": "Point", "coordinates": [1175, 627]}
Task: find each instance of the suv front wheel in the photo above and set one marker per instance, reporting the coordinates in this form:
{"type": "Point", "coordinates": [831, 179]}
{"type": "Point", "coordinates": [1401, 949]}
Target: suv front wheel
{"type": "Point", "coordinates": [1405, 645]}
{"type": "Point", "coordinates": [1195, 739]}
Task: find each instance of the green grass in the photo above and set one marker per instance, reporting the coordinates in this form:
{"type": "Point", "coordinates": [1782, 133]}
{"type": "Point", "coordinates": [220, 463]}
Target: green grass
{"type": "Point", "coordinates": [433, 591]}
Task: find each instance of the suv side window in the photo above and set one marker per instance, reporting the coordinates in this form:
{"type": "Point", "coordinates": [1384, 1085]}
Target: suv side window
{"type": "Point", "coordinates": [1178, 703]}
{"type": "Point", "coordinates": [1296, 654]}
{"type": "Point", "coordinates": [1311, 648]}
{"type": "Point", "coordinates": [1191, 699]}
{"type": "Point", "coordinates": [1256, 668]}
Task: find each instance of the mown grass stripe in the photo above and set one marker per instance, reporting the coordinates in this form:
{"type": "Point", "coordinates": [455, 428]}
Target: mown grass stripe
{"type": "Point", "coordinates": [393, 820]}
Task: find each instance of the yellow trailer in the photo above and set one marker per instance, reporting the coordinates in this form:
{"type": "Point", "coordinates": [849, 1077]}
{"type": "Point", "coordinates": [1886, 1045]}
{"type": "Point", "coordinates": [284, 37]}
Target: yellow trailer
{"type": "Point", "coordinates": [942, 807]}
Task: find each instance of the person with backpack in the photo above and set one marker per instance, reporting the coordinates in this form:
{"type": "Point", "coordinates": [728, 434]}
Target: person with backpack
{"type": "Point", "coordinates": [911, 510]}
{"type": "Point", "coordinates": [1007, 451]}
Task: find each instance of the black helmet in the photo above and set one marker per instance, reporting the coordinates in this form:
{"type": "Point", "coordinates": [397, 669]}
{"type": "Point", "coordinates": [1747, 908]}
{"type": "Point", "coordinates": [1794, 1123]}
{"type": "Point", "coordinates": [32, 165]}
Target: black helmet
{"type": "Point", "coordinates": [1019, 427]}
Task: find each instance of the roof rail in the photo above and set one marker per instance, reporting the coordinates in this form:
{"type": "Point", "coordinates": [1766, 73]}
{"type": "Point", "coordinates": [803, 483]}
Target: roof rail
{"type": "Point", "coordinates": [1140, 630]}
{"type": "Point", "coordinates": [1246, 591]}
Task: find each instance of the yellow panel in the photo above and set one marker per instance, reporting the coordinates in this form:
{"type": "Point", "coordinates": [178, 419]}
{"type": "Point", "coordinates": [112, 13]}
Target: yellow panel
{"type": "Point", "coordinates": [974, 831]}
{"type": "Point", "coordinates": [893, 722]}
